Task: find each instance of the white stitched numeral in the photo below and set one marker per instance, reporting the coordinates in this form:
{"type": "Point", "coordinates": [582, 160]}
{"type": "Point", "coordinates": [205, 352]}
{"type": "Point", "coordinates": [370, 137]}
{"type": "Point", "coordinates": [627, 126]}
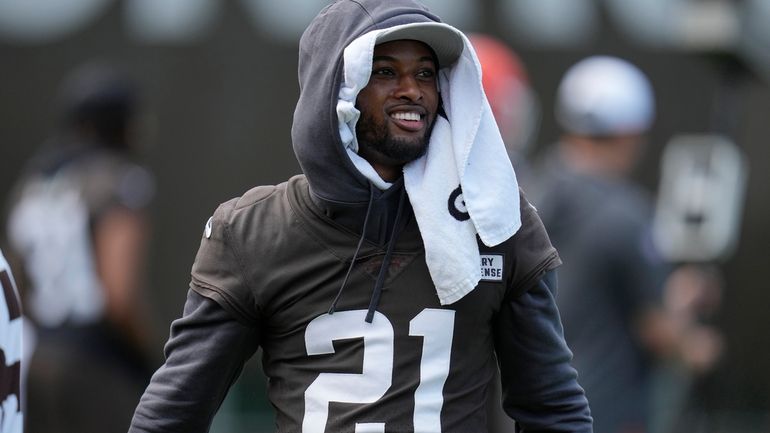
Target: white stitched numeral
{"type": "Point", "coordinates": [435, 326]}
{"type": "Point", "coordinates": [368, 386]}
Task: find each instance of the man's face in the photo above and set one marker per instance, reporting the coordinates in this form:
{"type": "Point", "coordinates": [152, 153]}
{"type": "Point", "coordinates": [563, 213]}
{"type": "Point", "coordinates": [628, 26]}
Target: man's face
{"type": "Point", "coordinates": [398, 106]}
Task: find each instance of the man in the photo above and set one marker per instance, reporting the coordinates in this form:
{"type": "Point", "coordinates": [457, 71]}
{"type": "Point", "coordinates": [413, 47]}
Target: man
{"type": "Point", "coordinates": [78, 228]}
{"type": "Point", "coordinates": [370, 315]}
{"type": "Point", "coordinates": [611, 299]}
{"type": "Point", "coordinates": [11, 418]}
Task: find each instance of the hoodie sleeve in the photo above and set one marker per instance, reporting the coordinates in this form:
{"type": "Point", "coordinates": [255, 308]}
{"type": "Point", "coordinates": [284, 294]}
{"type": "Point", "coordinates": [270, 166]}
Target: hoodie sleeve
{"type": "Point", "coordinates": [540, 388]}
{"type": "Point", "coordinates": [204, 356]}
{"type": "Point", "coordinates": [218, 272]}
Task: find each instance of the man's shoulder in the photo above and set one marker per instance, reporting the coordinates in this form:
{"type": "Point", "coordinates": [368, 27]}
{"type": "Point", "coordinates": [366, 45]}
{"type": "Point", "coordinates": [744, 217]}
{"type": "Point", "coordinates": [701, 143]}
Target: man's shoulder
{"type": "Point", "coordinates": [238, 243]}
{"type": "Point", "coordinates": [258, 204]}
{"type": "Point", "coordinates": [257, 216]}
{"type": "Point", "coordinates": [529, 253]}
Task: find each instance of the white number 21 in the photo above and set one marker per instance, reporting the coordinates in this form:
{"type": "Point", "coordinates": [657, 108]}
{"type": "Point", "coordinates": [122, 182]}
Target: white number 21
{"type": "Point", "coordinates": [434, 325]}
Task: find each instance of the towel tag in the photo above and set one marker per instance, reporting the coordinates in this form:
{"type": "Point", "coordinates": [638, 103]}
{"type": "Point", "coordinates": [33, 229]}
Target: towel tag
{"type": "Point", "coordinates": [492, 267]}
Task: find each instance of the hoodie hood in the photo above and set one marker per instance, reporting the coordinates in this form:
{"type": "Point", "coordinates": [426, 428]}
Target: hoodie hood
{"type": "Point", "coordinates": [315, 130]}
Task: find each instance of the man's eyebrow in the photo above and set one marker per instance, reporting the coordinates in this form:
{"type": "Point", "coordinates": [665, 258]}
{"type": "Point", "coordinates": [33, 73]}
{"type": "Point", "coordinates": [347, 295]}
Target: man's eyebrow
{"type": "Point", "coordinates": [383, 59]}
{"type": "Point", "coordinates": [393, 59]}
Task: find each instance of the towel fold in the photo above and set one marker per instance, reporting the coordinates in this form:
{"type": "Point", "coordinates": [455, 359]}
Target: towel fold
{"type": "Point", "coordinates": [463, 186]}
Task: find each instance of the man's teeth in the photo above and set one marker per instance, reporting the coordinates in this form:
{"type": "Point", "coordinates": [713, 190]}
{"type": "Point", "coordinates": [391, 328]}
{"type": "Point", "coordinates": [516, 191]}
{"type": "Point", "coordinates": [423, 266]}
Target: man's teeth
{"type": "Point", "coordinates": [406, 116]}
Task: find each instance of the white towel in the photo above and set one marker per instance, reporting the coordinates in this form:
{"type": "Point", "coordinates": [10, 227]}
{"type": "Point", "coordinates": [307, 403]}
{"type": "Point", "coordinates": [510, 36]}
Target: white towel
{"type": "Point", "coordinates": [465, 155]}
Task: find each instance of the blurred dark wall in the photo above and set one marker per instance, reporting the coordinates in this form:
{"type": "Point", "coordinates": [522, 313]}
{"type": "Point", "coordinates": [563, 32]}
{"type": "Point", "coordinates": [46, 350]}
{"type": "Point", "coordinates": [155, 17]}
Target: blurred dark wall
{"type": "Point", "coordinates": [218, 122]}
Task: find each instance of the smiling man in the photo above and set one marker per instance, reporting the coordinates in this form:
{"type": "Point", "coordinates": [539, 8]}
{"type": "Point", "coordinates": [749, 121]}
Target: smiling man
{"type": "Point", "coordinates": [398, 105]}
{"type": "Point", "coordinates": [382, 286]}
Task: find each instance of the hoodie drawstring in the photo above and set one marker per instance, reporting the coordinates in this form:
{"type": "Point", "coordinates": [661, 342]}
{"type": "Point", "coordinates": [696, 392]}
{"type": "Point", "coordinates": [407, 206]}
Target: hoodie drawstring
{"type": "Point", "coordinates": [333, 307]}
{"type": "Point", "coordinates": [385, 261]}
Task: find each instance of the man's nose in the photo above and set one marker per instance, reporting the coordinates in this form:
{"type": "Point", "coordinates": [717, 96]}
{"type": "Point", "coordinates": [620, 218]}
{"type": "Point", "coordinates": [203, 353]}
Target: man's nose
{"type": "Point", "coordinates": [408, 88]}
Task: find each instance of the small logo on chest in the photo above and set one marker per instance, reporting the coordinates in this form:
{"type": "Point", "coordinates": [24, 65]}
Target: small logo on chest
{"type": "Point", "coordinates": [492, 267]}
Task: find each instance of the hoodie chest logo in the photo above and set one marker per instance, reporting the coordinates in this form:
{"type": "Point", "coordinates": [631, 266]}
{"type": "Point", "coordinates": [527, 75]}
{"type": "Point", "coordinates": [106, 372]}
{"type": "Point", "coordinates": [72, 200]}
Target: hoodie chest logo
{"type": "Point", "coordinates": [457, 205]}
{"type": "Point", "coordinates": [492, 267]}
{"type": "Point", "coordinates": [398, 263]}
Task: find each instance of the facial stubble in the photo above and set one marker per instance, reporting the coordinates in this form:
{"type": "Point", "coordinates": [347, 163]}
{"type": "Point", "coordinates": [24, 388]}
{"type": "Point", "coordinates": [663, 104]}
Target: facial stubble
{"type": "Point", "coordinates": [377, 138]}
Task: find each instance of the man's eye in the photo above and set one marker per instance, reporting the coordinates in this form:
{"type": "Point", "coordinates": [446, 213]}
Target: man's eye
{"type": "Point", "coordinates": [382, 71]}
{"type": "Point", "coordinates": [426, 73]}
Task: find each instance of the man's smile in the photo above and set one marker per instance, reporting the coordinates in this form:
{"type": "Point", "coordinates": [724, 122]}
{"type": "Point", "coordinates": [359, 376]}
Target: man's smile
{"type": "Point", "coordinates": [409, 119]}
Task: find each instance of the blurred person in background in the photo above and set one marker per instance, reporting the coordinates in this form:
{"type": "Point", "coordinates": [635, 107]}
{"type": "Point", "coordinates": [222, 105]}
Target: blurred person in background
{"type": "Point", "coordinates": [78, 225]}
{"type": "Point", "coordinates": [611, 295]}
{"type": "Point", "coordinates": [692, 297]}
{"type": "Point", "coordinates": [11, 418]}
